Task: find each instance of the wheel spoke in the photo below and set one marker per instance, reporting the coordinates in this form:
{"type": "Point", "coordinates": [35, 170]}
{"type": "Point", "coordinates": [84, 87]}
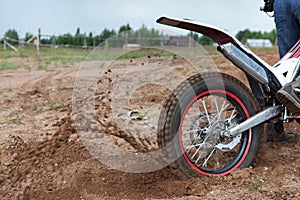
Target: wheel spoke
{"type": "Point", "coordinates": [224, 107]}
{"type": "Point", "coordinates": [206, 159]}
{"type": "Point", "coordinates": [200, 156]}
{"type": "Point", "coordinates": [222, 155]}
{"type": "Point", "coordinates": [207, 116]}
{"type": "Point", "coordinates": [216, 105]}
{"type": "Point", "coordinates": [233, 115]}
{"type": "Point", "coordinates": [196, 151]}
{"type": "Point", "coordinates": [190, 131]}
{"type": "Point", "coordinates": [188, 148]}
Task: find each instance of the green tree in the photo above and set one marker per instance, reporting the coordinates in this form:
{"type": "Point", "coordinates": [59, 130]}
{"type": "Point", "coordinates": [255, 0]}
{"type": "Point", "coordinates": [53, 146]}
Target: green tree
{"type": "Point", "coordinates": [78, 38]}
{"type": "Point", "coordinates": [247, 34]}
{"type": "Point", "coordinates": [146, 37]}
{"type": "Point", "coordinates": [124, 28]}
{"type": "Point", "coordinates": [143, 32]}
{"type": "Point", "coordinates": [271, 36]}
{"type": "Point", "coordinates": [106, 35]}
{"type": "Point", "coordinates": [194, 36]}
{"type": "Point", "coordinates": [65, 39]}
{"type": "Point", "coordinates": [12, 34]}
{"type": "Point", "coordinates": [28, 36]}
{"type": "Point", "coordinates": [243, 35]}
{"type": "Point", "coordinates": [90, 39]}
{"type": "Point", "coordinates": [204, 40]}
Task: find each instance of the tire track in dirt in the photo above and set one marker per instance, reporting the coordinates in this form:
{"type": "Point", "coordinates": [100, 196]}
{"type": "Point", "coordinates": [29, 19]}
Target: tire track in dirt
{"type": "Point", "coordinates": [52, 162]}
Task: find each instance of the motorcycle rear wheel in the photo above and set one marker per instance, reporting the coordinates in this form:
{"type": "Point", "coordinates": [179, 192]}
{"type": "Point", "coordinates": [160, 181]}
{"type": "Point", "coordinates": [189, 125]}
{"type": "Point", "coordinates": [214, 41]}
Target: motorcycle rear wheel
{"type": "Point", "coordinates": [193, 117]}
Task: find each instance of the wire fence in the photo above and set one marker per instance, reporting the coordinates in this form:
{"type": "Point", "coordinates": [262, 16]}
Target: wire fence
{"type": "Point", "coordinates": [123, 40]}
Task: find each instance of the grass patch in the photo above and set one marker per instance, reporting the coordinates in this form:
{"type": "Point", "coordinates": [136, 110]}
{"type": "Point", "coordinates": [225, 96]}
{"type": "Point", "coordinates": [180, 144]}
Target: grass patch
{"type": "Point", "coordinates": [6, 54]}
{"type": "Point", "coordinates": [258, 183]}
{"type": "Point", "coordinates": [145, 52]}
{"type": "Point", "coordinates": [44, 63]}
{"type": "Point", "coordinates": [68, 55]}
{"type": "Point", "coordinates": [42, 67]}
{"type": "Point", "coordinates": [62, 60]}
{"type": "Point", "coordinates": [13, 55]}
{"type": "Point", "coordinates": [264, 49]}
{"type": "Point", "coordinates": [56, 106]}
{"type": "Point", "coordinates": [66, 52]}
{"type": "Point", "coordinates": [3, 97]}
{"type": "Point", "coordinates": [51, 54]}
{"type": "Point", "coordinates": [48, 61]}
{"type": "Point", "coordinates": [46, 117]}
{"type": "Point", "coordinates": [5, 65]}
{"type": "Point", "coordinates": [34, 107]}
{"type": "Point", "coordinates": [210, 49]}
{"type": "Point", "coordinates": [10, 119]}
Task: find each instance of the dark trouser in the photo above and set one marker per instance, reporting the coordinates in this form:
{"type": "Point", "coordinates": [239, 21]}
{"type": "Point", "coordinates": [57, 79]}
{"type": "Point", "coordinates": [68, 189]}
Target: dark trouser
{"type": "Point", "coordinates": [287, 19]}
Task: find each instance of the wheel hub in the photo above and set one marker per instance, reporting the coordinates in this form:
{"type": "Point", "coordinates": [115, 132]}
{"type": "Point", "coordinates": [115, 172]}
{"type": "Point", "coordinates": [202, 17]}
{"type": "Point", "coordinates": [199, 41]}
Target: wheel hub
{"type": "Point", "coordinates": [214, 133]}
{"type": "Point", "coordinates": [216, 140]}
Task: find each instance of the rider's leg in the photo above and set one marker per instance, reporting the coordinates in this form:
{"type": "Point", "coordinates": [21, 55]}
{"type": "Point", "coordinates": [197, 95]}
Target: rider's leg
{"type": "Point", "coordinates": [287, 20]}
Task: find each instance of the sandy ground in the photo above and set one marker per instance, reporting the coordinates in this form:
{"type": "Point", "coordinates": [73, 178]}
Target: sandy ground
{"type": "Point", "coordinates": [43, 156]}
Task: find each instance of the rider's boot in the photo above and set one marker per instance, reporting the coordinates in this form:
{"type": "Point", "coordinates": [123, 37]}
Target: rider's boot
{"type": "Point", "coordinates": [276, 133]}
{"type": "Point", "coordinates": [289, 95]}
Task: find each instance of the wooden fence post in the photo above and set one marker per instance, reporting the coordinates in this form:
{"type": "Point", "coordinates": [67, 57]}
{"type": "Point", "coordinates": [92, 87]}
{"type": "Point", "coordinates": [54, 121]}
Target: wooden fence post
{"type": "Point", "coordinates": [84, 41]}
{"type": "Point", "coordinates": [94, 40]}
{"type": "Point", "coordinates": [53, 41]}
{"type": "Point", "coordinates": [38, 40]}
{"type": "Point", "coordinates": [4, 42]}
{"type": "Point", "coordinates": [126, 39]}
{"type": "Point", "coordinates": [162, 41]}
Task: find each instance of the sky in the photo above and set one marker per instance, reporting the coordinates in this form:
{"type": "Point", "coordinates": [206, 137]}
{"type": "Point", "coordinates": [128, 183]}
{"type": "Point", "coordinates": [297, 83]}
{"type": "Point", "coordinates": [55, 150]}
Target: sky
{"type": "Point", "coordinates": [64, 16]}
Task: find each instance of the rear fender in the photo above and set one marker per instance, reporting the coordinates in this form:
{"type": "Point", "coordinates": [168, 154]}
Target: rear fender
{"type": "Point", "coordinates": [218, 35]}
{"type": "Point", "coordinates": [233, 50]}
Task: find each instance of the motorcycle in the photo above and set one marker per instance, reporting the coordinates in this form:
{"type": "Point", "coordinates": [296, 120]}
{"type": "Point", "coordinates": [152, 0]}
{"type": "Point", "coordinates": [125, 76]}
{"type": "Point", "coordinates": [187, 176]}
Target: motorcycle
{"type": "Point", "coordinates": [213, 123]}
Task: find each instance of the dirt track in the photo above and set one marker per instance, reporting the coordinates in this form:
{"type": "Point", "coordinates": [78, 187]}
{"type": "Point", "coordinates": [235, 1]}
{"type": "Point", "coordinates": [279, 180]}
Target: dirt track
{"type": "Point", "coordinates": [42, 156]}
